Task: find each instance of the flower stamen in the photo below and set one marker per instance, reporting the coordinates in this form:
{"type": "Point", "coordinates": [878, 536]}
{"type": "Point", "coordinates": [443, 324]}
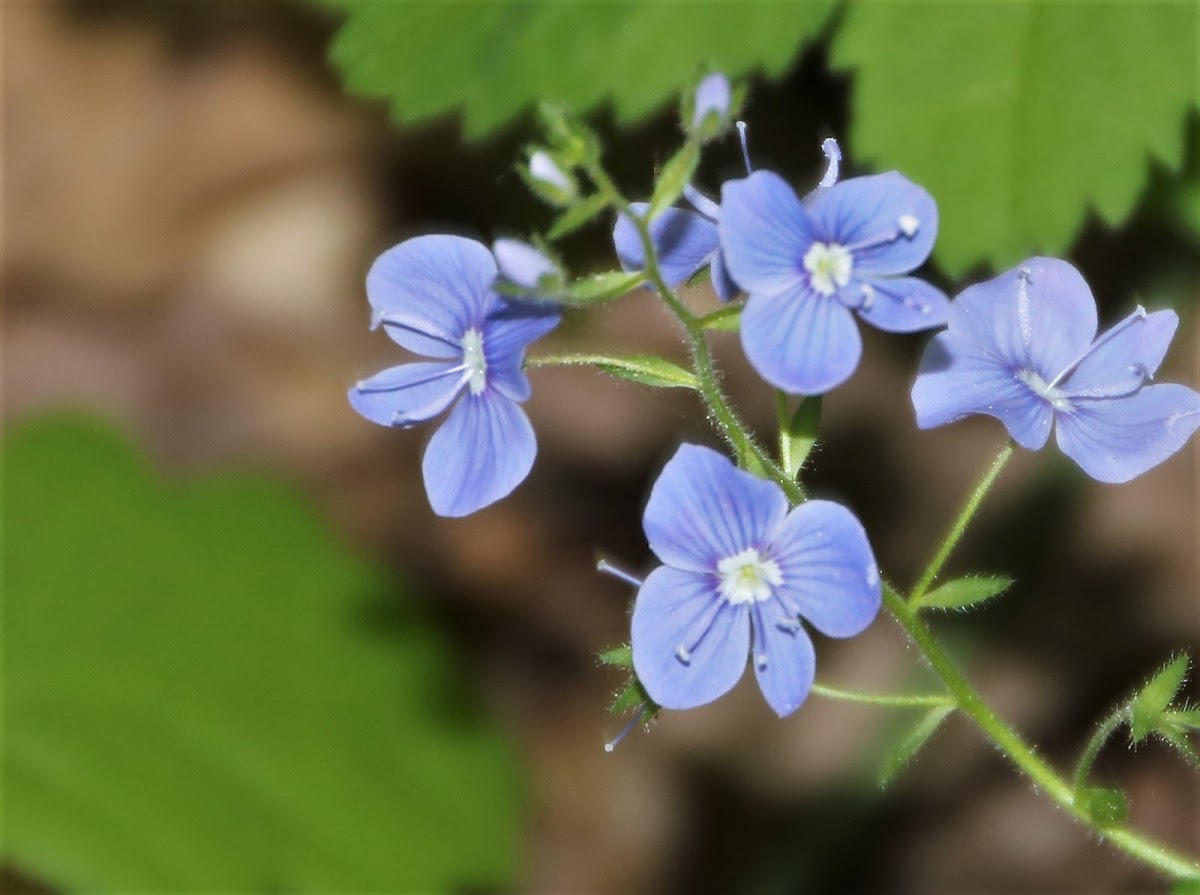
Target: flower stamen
{"type": "Point", "coordinates": [474, 360]}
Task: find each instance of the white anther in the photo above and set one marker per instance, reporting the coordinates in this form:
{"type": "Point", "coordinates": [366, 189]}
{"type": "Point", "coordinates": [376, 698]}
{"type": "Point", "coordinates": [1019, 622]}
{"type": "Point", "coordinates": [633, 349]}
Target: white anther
{"type": "Point", "coordinates": [909, 224]}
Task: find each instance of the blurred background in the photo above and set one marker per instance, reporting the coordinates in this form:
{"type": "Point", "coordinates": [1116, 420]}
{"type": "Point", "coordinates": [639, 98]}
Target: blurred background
{"type": "Point", "coordinates": [242, 655]}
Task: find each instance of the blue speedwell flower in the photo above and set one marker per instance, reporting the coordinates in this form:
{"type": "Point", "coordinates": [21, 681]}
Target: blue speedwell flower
{"type": "Point", "coordinates": [433, 295]}
{"type": "Point", "coordinates": [808, 266]}
{"type": "Point", "coordinates": [736, 560]}
{"type": "Point", "coordinates": [1022, 348]}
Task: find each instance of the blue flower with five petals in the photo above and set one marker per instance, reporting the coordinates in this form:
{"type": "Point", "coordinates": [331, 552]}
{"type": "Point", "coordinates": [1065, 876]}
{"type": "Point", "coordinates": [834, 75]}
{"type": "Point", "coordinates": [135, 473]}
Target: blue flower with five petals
{"type": "Point", "coordinates": [810, 266]}
{"type": "Point", "coordinates": [736, 562]}
{"type": "Point", "coordinates": [433, 295]}
{"type": "Point", "coordinates": [1022, 347]}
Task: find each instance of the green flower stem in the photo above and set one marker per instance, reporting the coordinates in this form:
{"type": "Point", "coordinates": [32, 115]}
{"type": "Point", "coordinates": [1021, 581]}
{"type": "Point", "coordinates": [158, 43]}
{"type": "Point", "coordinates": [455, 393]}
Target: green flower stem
{"type": "Point", "coordinates": [960, 524]}
{"type": "Point", "coordinates": [902, 700]}
{"type": "Point", "coordinates": [1106, 729]}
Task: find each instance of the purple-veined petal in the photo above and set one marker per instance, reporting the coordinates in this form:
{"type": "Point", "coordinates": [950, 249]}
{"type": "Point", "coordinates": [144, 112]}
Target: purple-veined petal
{"type": "Point", "coordinates": [1136, 346]}
{"type": "Point", "coordinates": [1117, 439]}
{"type": "Point", "coordinates": [677, 609]}
{"type": "Point", "coordinates": [799, 341]}
{"type": "Point", "coordinates": [722, 282]}
{"type": "Point", "coordinates": [483, 450]}
{"type": "Point", "coordinates": [407, 394]}
{"type": "Point", "coordinates": [893, 220]}
{"type": "Point", "coordinates": [712, 95]}
{"type": "Point", "coordinates": [429, 290]}
{"type": "Point", "coordinates": [520, 263]}
{"type": "Point", "coordinates": [703, 509]}
{"type": "Point", "coordinates": [1039, 315]}
{"type": "Point", "coordinates": [829, 571]}
{"type": "Point", "coordinates": [684, 240]}
{"type": "Point", "coordinates": [509, 329]}
{"type": "Point", "coordinates": [898, 304]}
{"type": "Point", "coordinates": [765, 232]}
{"type": "Point", "coordinates": [956, 379]}
{"type": "Point", "coordinates": [783, 659]}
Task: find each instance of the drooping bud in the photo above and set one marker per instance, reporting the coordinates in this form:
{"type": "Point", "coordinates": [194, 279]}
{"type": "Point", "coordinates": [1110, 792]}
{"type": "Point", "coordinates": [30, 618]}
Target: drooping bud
{"type": "Point", "coordinates": [547, 178]}
{"type": "Point", "coordinates": [707, 110]}
{"type": "Point", "coordinates": [523, 265]}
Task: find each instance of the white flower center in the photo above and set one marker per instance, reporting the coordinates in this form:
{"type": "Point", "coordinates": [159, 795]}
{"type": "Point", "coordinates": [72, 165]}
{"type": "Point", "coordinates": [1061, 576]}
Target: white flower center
{"type": "Point", "coordinates": [748, 578]}
{"type": "Point", "coordinates": [474, 360]}
{"type": "Point", "coordinates": [1044, 390]}
{"type": "Point", "coordinates": [829, 266]}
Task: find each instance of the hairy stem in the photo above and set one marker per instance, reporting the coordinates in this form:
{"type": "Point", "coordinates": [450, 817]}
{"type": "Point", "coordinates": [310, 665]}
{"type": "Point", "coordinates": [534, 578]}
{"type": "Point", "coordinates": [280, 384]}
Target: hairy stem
{"type": "Point", "coordinates": [1106, 729]}
{"type": "Point", "coordinates": [894, 700]}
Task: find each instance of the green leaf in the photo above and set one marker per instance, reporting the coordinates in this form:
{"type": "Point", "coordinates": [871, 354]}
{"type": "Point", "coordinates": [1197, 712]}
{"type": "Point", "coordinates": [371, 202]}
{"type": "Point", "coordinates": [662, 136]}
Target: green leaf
{"type": "Point", "coordinates": [1036, 112]}
{"type": "Point", "coordinates": [1185, 887]}
{"type": "Point", "coordinates": [1179, 742]}
{"type": "Point", "coordinates": [1152, 700]}
{"type": "Point", "coordinates": [727, 319]}
{"type": "Point", "coordinates": [964, 592]}
{"type": "Point", "coordinates": [601, 287]}
{"type": "Point", "coordinates": [674, 176]}
{"type": "Point", "coordinates": [193, 701]}
{"type": "Point", "coordinates": [797, 438]}
{"type": "Point", "coordinates": [618, 656]}
{"type": "Point", "coordinates": [492, 60]}
{"type": "Point", "coordinates": [1104, 807]}
{"type": "Point", "coordinates": [911, 744]}
{"type": "Point", "coordinates": [646, 369]}
{"type": "Point", "coordinates": [578, 215]}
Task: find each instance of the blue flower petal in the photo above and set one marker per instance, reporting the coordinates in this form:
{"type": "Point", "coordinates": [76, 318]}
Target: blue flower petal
{"type": "Point", "coordinates": [407, 394]}
{"type": "Point", "coordinates": [713, 95]}
{"type": "Point", "coordinates": [684, 240]}
{"type": "Point", "coordinates": [828, 569]}
{"type": "Point", "coordinates": [428, 291]}
{"type": "Point", "coordinates": [1115, 440]}
{"type": "Point", "coordinates": [1139, 341]}
{"type": "Point", "coordinates": [783, 660]}
{"type": "Point", "coordinates": [521, 263]}
{"type": "Point", "coordinates": [483, 450]}
{"type": "Point", "coordinates": [703, 509]}
{"type": "Point", "coordinates": [765, 233]}
{"type": "Point", "coordinates": [957, 378]}
{"type": "Point", "coordinates": [899, 304]}
{"type": "Point", "coordinates": [722, 282]}
{"type": "Point", "coordinates": [512, 325]}
{"type": "Point", "coordinates": [676, 608]}
{"type": "Point", "coordinates": [799, 341]}
{"type": "Point", "coordinates": [867, 209]}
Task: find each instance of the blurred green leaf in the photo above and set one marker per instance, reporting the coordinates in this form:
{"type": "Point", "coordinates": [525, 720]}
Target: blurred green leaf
{"type": "Point", "coordinates": [578, 215]}
{"type": "Point", "coordinates": [674, 176]}
{"type": "Point", "coordinates": [1152, 700]}
{"type": "Point", "coordinates": [1105, 807]}
{"type": "Point", "coordinates": [1020, 117]}
{"type": "Point", "coordinates": [964, 592]}
{"type": "Point", "coordinates": [646, 369]}
{"type": "Point", "coordinates": [194, 700]}
{"type": "Point", "coordinates": [601, 287]}
{"type": "Point", "coordinates": [491, 60]}
{"type": "Point", "coordinates": [799, 436]}
{"type": "Point", "coordinates": [617, 656]}
{"type": "Point", "coordinates": [904, 751]}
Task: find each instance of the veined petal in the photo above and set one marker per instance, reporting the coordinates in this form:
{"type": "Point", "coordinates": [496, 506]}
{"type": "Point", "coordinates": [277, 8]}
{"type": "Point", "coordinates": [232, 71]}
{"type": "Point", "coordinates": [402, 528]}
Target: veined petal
{"type": "Point", "coordinates": [956, 379]}
{"type": "Point", "coordinates": [765, 232]}
{"type": "Point", "coordinates": [483, 450]}
{"type": "Point", "coordinates": [703, 509]}
{"type": "Point", "coordinates": [722, 282]}
{"type": "Point", "coordinates": [675, 609]}
{"type": "Point", "coordinates": [684, 241]}
{"type": "Point", "coordinates": [429, 290]}
{"type": "Point", "coordinates": [509, 329]}
{"type": "Point", "coordinates": [828, 569]}
{"type": "Point", "coordinates": [899, 304]}
{"type": "Point", "coordinates": [799, 341]}
{"type": "Point", "coordinates": [407, 394]}
{"type": "Point", "coordinates": [1117, 439]}
{"type": "Point", "coordinates": [783, 659]}
{"type": "Point", "coordinates": [865, 210]}
{"type": "Point", "coordinates": [1136, 344]}
{"type": "Point", "coordinates": [1039, 316]}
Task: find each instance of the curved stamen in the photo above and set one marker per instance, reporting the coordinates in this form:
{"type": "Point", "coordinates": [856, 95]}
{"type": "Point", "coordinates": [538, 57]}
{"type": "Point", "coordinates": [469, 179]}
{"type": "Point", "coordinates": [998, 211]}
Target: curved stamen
{"type": "Point", "coordinates": [906, 227]}
{"type": "Point", "coordinates": [633, 722]}
{"type": "Point", "coordinates": [1139, 373]}
{"type": "Point", "coordinates": [698, 631]}
{"type": "Point", "coordinates": [609, 569]}
{"type": "Point", "coordinates": [833, 152]}
{"type": "Point", "coordinates": [702, 203]}
{"type": "Point", "coordinates": [760, 649]}
{"type": "Point", "coordinates": [741, 126]}
{"type": "Point", "coordinates": [367, 387]}
{"type": "Point", "coordinates": [1138, 314]}
{"type": "Point", "coordinates": [387, 320]}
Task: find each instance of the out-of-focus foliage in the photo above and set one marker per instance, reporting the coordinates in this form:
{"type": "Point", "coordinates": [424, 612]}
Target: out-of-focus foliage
{"type": "Point", "coordinates": [1020, 117]}
{"type": "Point", "coordinates": [493, 60]}
{"type": "Point", "coordinates": [194, 701]}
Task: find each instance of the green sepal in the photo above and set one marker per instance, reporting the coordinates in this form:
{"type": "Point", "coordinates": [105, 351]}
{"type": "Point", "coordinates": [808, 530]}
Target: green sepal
{"type": "Point", "coordinates": [964, 592]}
{"type": "Point", "coordinates": [1103, 806]}
{"type": "Point", "coordinates": [645, 369]}
{"type": "Point", "coordinates": [574, 142]}
{"type": "Point", "coordinates": [1183, 719]}
{"type": "Point", "coordinates": [904, 751]}
{"type": "Point", "coordinates": [1178, 740]}
{"type": "Point", "coordinates": [797, 438]}
{"type": "Point", "coordinates": [727, 319]}
{"type": "Point", "coordinates": [674, 176]}
{"type": "Point", "coordinates": [617, 656]}
{"type": "Point", "coordinates": [578, 215]}
{"type": "Point", "coordinates": [634, 696]}
{"type": "Point", "coordinates": [601, 287]}
{"type": "Point", "coordinates": [1149, 705]}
